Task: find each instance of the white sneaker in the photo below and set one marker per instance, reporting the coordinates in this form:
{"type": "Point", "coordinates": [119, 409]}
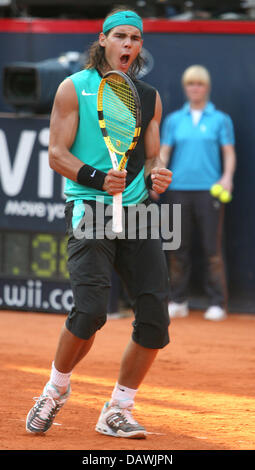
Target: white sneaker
{"type": "Point", "coordinates": [41, 416]}
{"type": "Point", "coordinates": [215, 313]}
{"type": "Point", "coordinates": [118, 421]}
{"type": "Point", "coordinates": [176, 310]}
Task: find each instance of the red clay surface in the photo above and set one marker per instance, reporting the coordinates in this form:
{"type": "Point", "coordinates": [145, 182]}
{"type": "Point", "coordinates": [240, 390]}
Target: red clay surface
{"type": "Point", "coordinates": [198, 395]}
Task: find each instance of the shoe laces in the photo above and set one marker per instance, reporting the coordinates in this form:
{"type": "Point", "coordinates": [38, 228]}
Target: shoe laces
{"type": "Point", "coordinates": [47, 406]}
{"type": "Point", "coordinates": [125, 411]}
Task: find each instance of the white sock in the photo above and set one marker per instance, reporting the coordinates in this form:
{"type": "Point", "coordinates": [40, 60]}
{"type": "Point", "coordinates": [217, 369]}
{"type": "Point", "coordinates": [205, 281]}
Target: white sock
{"type": "Point", "coordinates": [60, 379]}
{"type": "Point", "coordinates": [123, 395]}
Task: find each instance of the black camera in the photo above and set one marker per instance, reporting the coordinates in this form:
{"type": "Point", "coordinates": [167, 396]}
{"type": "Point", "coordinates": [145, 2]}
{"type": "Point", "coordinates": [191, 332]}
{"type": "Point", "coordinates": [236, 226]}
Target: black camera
{"type": "Point", "coordinates": [29, 86]}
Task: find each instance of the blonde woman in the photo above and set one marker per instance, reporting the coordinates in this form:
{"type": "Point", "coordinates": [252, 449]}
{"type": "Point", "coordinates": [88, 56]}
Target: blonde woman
{"type": "Point", "coordinates": [193, 140]}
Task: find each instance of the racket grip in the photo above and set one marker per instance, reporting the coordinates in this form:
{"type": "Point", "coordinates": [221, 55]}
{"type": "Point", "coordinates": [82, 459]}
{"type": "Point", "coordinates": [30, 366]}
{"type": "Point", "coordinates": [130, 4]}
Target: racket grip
{"type": "Point", "coordinates": [117, 213]}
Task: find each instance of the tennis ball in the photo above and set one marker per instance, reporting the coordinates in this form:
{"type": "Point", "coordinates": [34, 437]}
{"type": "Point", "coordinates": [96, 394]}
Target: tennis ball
{"type": "Point", "coordinates": [225, 196]}
{"type": "Point", "coordinates": [216, 189]}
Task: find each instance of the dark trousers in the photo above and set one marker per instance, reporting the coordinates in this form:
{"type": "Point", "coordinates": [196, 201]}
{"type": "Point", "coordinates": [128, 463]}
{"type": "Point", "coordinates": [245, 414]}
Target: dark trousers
{"type": "Point", "coordinates": [201, 215]}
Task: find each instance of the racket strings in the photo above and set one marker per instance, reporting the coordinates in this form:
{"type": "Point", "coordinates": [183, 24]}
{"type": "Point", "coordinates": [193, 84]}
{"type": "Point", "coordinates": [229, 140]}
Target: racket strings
{"type": "Point", "coordinates": [119, 113]}
{"type": "Point", "coordinates": [115, 108]}
{"type": "Point", "coordinates": [124, 93]}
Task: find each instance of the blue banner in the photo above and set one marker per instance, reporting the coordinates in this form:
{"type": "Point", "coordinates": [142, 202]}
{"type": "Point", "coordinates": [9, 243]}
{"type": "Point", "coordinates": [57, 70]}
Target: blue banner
{"type": "Point", "coordinates": [31, 193]}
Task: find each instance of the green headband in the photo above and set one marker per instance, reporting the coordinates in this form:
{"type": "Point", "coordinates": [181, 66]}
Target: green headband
{"type": "Point", "coordinates": [123, 17]}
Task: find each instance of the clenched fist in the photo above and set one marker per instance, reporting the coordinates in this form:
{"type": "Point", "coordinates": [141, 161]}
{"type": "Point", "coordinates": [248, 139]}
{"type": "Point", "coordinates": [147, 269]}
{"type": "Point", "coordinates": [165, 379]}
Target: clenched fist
{"type": "Point", "coordinates": [161, 178]}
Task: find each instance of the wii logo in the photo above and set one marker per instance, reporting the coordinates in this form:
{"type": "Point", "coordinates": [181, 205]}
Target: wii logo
{"type": "Point", "coordinates": [13, 175]}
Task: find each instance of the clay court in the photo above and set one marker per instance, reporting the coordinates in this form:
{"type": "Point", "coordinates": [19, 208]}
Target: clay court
{"type": "Point", "coordinates": [198, 395]}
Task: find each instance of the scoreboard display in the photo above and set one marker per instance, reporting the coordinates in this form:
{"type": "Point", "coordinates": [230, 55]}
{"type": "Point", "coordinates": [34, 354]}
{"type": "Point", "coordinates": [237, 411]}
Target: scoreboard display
{"type": "Point", "coordinates": [33, 256]}
{"type": "Point", "coordinates": [33, 272]}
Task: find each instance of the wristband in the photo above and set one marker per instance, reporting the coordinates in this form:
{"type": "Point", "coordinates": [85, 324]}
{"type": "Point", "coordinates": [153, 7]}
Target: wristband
{"type": "Point", "coordinates": [90, 176]}
{"type": "Point", "coordinates": [148, 182]}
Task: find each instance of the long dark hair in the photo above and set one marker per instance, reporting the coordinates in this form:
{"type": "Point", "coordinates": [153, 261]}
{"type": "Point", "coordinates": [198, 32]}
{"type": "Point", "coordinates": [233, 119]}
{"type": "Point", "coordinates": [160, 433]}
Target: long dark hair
{"type": "Point", "coordinates": [97, 59]}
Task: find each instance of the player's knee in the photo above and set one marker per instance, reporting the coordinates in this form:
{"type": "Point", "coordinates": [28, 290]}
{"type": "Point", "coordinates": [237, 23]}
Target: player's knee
{"type": "Point", "coordinates": [90, 311]}
{"type": "Point", "coordinates": [85, 324]}
{"type": "Point", "coordinates": [150, 336]}
{"type": "Point", "coordinates": [152, 322]}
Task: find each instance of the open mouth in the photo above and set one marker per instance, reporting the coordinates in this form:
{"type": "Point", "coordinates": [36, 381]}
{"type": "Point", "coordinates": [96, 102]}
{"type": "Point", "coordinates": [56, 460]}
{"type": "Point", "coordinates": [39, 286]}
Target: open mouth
{"type": "Point", "coordinates": [124, 59]}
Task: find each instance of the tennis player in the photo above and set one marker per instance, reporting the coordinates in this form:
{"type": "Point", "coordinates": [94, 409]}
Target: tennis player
{"type": "Point", "coordinates": [78, 152]}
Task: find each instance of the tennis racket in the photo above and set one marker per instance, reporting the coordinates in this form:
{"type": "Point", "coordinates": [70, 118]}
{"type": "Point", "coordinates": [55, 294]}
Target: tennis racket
{"type": "Point", "coordinates": [119, 115]}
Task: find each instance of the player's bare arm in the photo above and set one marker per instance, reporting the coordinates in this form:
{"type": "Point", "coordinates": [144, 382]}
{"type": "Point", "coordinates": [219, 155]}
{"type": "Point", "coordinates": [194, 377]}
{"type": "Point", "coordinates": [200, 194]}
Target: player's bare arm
{"type": "Point", "coordinates": [63, 128]}
{"type": "Point", "coordinates": [161, 176]}
{"type": "Point", "coordinates": [165, 154]}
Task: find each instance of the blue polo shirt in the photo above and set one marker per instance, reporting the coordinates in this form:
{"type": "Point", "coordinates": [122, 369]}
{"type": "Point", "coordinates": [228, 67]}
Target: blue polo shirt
{"type": "Point", "coordinates": [196, 155]}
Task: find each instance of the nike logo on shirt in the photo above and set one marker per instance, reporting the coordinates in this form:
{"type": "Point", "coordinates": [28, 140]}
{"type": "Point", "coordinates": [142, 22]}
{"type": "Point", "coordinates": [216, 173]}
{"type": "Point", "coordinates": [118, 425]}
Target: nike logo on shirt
{"type": "Point", "coordinates": [87, 94]}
